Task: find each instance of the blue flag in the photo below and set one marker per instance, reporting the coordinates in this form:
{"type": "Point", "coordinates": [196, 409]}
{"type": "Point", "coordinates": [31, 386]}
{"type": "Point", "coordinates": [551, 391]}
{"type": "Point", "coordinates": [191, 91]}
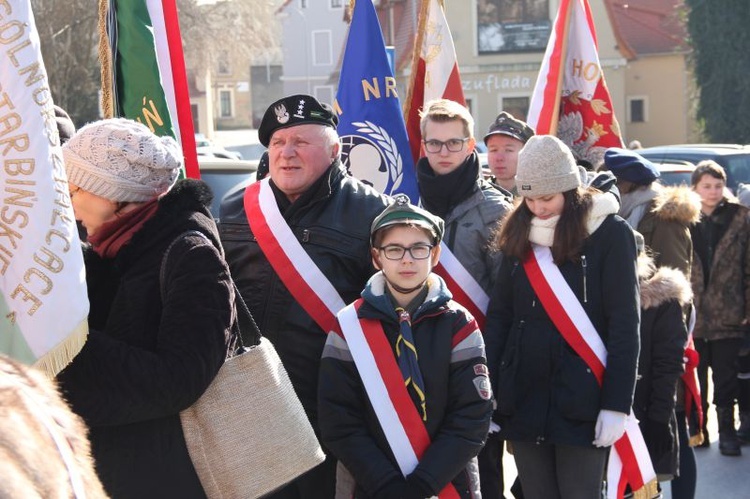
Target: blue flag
{"type": "Point", "coordinates": [375, 147]}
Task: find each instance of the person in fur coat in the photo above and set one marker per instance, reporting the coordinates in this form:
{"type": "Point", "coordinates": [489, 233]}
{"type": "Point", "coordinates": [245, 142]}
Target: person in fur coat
{"type": "Point", "coordinates": [663, 215]}
{"type": "Point", "coordinates": [664, 293]}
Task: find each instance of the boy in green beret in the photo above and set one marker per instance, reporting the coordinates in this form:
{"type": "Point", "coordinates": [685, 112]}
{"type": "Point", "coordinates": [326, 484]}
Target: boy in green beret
{"type": "Point", "coordinates": [404, 397]}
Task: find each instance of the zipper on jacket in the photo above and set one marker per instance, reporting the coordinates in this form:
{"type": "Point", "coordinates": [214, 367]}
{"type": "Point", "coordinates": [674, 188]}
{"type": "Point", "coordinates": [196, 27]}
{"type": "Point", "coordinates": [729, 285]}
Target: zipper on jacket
{"type": "Point", "coordinates": [306, 236]}
{"type": "Point", "coordinates": [584, 265]}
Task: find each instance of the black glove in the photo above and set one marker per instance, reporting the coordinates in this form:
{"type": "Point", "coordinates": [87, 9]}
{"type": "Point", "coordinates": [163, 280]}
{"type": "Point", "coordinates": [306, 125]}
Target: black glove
{"type": "Point", "coordinates": [658, 436]}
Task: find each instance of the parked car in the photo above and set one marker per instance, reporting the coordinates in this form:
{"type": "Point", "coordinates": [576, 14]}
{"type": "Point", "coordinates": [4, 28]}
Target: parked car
{"type": "Point", "coordinates": [223, 174]}
{"type": "Point", "coordinates": [218, 152]}
{"type": "Point", "coordinates": [676, 172]}
{"type": "Point", "coordinates": [249, 151]}
{"type": "Point", "coordinates": [734, 158]}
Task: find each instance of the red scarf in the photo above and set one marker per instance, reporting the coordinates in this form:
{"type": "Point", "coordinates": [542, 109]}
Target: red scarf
{"type": "Point", "coordinates": [115, 234]}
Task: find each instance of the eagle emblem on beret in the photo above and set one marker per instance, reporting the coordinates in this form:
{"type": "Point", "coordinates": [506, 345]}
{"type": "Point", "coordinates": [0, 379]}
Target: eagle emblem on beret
{"type": "Point", "coordinates": [282, 115]}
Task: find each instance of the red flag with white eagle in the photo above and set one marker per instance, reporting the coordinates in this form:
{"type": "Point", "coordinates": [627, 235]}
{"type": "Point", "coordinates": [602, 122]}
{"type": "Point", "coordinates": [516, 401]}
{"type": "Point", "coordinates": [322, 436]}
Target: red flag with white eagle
{"type": "Point", "coordinates": [571, 99]}
{"type": "Point", "coordinates": [434, 69]}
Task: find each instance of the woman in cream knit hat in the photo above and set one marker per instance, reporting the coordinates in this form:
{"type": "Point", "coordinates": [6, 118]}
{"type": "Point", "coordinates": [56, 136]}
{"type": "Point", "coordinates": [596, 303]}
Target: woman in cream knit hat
{"type": "Point", "coordinates": [559, 419]}
{"type": "Point", "coordinates": [155, 341]}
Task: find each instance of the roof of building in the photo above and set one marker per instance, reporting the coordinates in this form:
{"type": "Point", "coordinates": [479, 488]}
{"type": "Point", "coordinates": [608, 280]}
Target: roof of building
{"type": "Point", "coordinates": [644, 27]}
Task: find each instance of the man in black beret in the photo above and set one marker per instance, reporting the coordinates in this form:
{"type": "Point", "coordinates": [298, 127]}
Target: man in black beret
{"type": "Point", "coordinates": [297, 243]}
{"type": "Point", "coordinates": [505, 138]}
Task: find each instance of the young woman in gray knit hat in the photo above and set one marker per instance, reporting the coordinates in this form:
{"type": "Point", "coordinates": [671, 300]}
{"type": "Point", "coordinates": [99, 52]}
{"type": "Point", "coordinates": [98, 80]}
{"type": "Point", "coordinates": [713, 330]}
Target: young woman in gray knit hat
{"type": "Point", "coordinates": [568, 259]}
{"type": "Point", "coordinates": [157, 337]}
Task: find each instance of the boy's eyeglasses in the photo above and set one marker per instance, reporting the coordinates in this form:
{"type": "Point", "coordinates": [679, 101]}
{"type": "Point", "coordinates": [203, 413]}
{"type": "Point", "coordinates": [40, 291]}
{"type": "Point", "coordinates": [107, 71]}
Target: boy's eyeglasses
{"type": "Point", "coordinates": [417, 252]}
{"type": "Point", "coordinates": [453, 145]}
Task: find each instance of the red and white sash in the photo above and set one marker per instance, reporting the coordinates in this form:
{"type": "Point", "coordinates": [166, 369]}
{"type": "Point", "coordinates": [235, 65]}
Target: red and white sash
{"type": "Point", "coordinates": [304, 280]}
{"type": "Point", "coordinates": [398, 417]}
{"type": "Point", "coordinates": [465, 289]}
{"type": "Point", "coordinates": [629, 461]}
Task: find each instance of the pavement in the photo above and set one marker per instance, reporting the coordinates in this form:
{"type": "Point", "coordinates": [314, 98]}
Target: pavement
{"type": "Point", "coordinates": [719, 476]}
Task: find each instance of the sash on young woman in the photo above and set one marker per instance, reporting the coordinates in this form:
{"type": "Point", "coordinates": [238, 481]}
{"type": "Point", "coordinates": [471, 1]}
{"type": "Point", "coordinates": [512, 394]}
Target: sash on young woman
{"type": "Point", "coordinates": [299, 273]}
{"type": "Point", "coordinates": [629, 460]}
{"type": "Point", "coordinates": [464, 288]}
{"type": "Point", "coordinates": [398, 417]}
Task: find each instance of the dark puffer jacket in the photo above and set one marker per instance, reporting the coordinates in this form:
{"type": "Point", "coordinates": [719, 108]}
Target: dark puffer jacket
{"type": "Point", "coordinates": [146, 359]}
{"type": "Point", "coordinates": [333, 226]}
{"type": "Point", "coordinates": [664, 293]}
{"type": "Point", "coordinates": [722, 299]}
{"type": "Point", "coordinates": [452, 363]}
{"type": "Point", "coordinates": [545, 392]}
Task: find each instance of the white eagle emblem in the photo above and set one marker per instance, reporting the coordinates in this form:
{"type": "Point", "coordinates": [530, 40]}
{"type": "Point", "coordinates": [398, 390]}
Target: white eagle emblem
{"type": "Point", "coordinates": [282, 115]}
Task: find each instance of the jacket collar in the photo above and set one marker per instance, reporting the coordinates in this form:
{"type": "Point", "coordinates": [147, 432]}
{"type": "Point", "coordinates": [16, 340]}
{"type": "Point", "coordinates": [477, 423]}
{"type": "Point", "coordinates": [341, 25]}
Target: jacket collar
{"type": "Point", "coordinates": [378, 305]}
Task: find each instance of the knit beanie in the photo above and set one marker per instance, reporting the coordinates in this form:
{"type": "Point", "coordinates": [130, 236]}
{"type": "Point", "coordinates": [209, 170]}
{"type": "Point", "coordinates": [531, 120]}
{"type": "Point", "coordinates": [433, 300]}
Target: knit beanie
{"type": "Point", "coordinates": [546, 166]}
{"type": "Point", "coordinates": [122, 160]}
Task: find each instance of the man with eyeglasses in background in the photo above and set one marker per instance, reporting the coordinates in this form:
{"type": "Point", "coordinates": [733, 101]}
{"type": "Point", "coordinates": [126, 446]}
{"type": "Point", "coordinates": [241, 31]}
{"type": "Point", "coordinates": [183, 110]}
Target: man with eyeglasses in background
{"type": "Point", "coordinates": [451, 186]}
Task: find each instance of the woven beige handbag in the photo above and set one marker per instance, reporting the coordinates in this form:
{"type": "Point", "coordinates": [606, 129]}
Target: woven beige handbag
{"type": "Point", "coordinates": [248, 434]}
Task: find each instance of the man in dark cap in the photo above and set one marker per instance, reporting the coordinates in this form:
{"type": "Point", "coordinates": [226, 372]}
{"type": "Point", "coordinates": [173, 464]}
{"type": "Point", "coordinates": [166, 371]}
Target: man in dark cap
{"type": "Point", "coordinates": [505, 138]}
{"type": "Point", "coordinates": [297, 243]}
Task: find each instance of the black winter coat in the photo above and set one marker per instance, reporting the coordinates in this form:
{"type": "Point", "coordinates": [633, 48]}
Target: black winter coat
{"type": "Point", "coordinates": [146, 359]}
{"type": "Point", "coordinates": [451, 359]}
{"type": "Point", "coordinates": [660, 365]}
{"type": "Point", "coordinates": [333, 226]}
{"type": "Point", "coordinates": [545, 392]}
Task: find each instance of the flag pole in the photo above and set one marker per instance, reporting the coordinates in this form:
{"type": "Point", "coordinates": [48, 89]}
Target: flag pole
{"type": "Point", "coordinates": [416, 53]}
{"type": "Point", "coordinates": [561, 69]}
{"type": "Point", "coordinates": [105, 58]}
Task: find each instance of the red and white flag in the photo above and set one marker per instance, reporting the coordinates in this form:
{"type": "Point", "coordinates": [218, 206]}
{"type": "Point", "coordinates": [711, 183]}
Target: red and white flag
{"type": "Point", "coordinates": [434, 69]}
{"type": "Point", "coordinates": [571, 99]}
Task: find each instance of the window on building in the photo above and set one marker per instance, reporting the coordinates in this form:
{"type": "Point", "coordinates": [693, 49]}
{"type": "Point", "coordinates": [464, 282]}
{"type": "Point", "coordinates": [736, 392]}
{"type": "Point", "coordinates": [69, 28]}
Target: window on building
{"type": "Point", "coordinates": [513, 25]}
{"type": "Point", "coordinates": [225, 103]}
{"type": "Point", "coordinates": [637, 110]}
{"type": "Point", "coordinates": [303, 4]}
{"type": "Point", "coordinates": [337, 4]}
{"type": "Point", "coordinates": [517, 106]}
{"type": "Point", "coordinates": [322, 48]}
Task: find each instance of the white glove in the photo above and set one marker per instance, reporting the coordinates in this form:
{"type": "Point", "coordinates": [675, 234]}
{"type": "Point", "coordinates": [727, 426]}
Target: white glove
{"type": "Point", "coordinates": [494, 427]}
{"type": "Point", "coordinates": [610, 426]}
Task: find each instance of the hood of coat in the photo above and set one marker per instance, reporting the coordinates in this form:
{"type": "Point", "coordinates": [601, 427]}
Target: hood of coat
{"type": "Point", "coordinates": [661, 285]}
{"type": "Point", "coordinates": [678, 204]}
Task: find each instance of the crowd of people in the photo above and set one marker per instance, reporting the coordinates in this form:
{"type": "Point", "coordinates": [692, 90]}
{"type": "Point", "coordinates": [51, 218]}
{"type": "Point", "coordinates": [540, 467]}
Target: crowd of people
{"type": "Point", "coordinates": [547, 310]}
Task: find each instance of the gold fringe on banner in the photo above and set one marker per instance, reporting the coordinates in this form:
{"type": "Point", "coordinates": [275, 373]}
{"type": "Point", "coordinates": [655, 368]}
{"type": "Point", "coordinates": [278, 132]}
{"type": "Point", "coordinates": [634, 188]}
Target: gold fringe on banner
{"type": "Point", "coordinates": [56, 359]}
{"type": "Point", "coordinates": [105, 60]}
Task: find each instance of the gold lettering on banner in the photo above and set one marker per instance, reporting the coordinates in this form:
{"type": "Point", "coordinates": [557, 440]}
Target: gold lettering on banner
{"type": "Point", "coordinates": [150, 115]}
{"type": "Point", "coordinates": [588, 71]}
{"type": "Point", "coordinates": [371, 89]}
{"type": "Point", "coordinates": [27, 296]}
{"type": "Point", "coordinates": [19, 192]}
